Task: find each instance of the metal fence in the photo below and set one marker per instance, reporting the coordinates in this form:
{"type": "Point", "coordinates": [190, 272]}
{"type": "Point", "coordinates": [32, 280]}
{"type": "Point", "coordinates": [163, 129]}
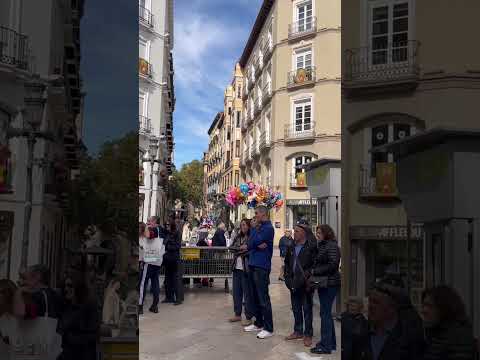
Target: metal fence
{"type": "Point", "coordinates": [13, 48]}
{"type": "Point", "coordinates": [206, 262]}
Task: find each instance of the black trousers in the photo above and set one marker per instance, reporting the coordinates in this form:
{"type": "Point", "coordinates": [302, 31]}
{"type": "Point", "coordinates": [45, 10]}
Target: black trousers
{"type": "Point", "coordinates": [149, 273]}
{"type": "Point", "coordinates": [173, 280]}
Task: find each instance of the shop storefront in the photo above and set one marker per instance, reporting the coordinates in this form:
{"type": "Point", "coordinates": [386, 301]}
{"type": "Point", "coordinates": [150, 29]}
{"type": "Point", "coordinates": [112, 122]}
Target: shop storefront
{"type": "Point", "coordinates": [301, 209]}
{"type": "Point", "coordinates": [376, 250]}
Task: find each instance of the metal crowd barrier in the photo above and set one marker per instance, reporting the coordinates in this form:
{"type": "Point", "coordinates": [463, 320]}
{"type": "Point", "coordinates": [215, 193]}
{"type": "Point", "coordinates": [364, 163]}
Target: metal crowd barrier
{"type": "Point", "coordinates": [206, 262]}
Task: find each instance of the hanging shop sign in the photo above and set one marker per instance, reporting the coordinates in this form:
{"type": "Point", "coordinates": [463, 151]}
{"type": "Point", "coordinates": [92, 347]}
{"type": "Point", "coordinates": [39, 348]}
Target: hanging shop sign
{"type": "Point", "coordinates": [385, 232]}
{"type": "Point", "coordinates": [307, 202]}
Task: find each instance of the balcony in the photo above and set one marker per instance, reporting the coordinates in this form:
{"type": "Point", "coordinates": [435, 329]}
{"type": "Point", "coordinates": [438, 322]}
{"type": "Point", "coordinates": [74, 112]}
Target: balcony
{"type": "Point", "coordinates": [301, 77]}
{"type": "Point", "coordinates": [394, 67]}
{"type": "Point", "coordinates": [245, 120]}
{"type": "Point", "coordinates": [258, 65]}
{"type": "Point", "coordinates": [243, 159]}
{"type": "Point", "coordinates": [13, 48]}
{"type": "Point", "coordinates": [267, 49]}
{"type": "Point", "coordinates": [145, 68]}
{"type": "Point", "coordinates": [5, 170]}
{"type": "Point", "coordinates": [302, 28]}
{"type": "Point", "coordinates": [256, 148]}
{"type": "Point", "coordinates": [245, 91]}
{"type": "Point", "coordinates": [267, 93]}
{"type": "Point", "coordinates": [257, 102]}
{"type": "Point", "coordinates": [144, 124]}
{"type": "Point", "coordinates": [247, 154]}
{"type": "Point", "coordinates": [264, 141]}
{"type": "Point", "coordinates": [303, 132]}
{"type": "Point", "coordinates": [145, 16]}
{"type": "Point", "coordinates": [298, 181]}
{"type": "Point", "coordinates": [250, 84]}
{"type": "Point", "coordinates": [378, 186]}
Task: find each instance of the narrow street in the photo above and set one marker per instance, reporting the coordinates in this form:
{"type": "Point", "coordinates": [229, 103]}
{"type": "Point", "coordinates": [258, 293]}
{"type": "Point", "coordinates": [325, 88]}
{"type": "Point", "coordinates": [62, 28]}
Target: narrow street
{"type": "Point", "coordinates": [199, 329]}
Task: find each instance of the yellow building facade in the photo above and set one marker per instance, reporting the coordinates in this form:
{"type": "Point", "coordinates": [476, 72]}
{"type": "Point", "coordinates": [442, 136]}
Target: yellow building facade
{"type": "Point", "coordinates": [291, 97]}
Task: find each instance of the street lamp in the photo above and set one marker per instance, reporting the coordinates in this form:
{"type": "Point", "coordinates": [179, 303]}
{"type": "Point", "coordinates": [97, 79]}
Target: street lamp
{"type": "Point", "coordinates": [32, 120]}
{"type": "Point", "coordinates": [152, 159]}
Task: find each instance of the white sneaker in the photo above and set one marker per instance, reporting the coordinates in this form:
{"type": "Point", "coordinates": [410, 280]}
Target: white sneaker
{"type": "Point", "coordinates": [264, 334]}
{"type": "Point", "coordinates": [251, 328]}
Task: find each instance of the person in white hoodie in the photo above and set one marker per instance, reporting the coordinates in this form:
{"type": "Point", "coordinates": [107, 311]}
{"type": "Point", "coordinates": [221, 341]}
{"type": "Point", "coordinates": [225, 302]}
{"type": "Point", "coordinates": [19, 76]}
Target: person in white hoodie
{"type": "Point", "coordinates": [151, 255]}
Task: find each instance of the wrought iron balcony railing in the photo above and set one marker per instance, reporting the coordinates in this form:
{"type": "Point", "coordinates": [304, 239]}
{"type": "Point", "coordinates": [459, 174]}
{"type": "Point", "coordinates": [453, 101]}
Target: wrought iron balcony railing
{"type": "Point", "coordinates": [14, 48]}
{"type": "Point", "coordinates": [301, 77]}
{"type": "Point", "coordinates": [145, 16]}
{"type": "Point", "coordinates": [145, 68]}
{"type": "Point", "coordinates": [378, 182]}
{"type": "Point", "coordinates": [251, 82]}
{"type": "Point", "coordinates": [304, 131]}
{"type": "Point", "coordinates": [267, 49]}
{"type": "Point", "coordinates": [267, 93]}
{"type": "Point", "coordinates": [264, 140]}
{"type": "Point", "coordinates": [256, 148]}
{"type": "Point", "coordinates": [257, 105]}
{"type": "Point", "coordinates": [258, 65]}
{"type": "Point", "coordinates": [304, 27]}
{"type": "Point", "coordinates": [145, 125]}
{"type": "Point", "coordinates": [397, 61]}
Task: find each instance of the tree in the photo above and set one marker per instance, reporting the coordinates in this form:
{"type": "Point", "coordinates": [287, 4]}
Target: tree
{"type": "Point", "coordinates": [106, 192]}
{"type": "Point", "coordinates": [187, 184]}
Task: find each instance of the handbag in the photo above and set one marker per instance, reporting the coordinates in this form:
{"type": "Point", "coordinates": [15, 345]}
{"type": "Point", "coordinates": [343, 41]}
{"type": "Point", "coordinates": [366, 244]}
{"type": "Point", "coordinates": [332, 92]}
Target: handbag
{"type": "Point", "coordinates": [36, 339]}
{"type": "Point", "coordinates": [153, 251]}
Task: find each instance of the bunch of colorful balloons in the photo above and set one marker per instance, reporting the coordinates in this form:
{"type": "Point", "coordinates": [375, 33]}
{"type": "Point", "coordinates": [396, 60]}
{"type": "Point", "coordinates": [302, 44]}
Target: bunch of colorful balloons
{"type": "Point", "coordinates": [253, 195]}
{"type": "Point", "coordinates": [207, 223]}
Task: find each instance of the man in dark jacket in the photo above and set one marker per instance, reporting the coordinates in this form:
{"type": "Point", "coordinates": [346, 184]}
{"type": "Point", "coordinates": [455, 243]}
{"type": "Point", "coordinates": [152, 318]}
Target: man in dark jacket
{"type": "Point", "coordinates": [260, 247]}
{"type": "Point", "coordinates": [387, 338]}
{"type": "Point", "coordinates": [285, 241]}
{"type": "Point", "coordinates": [299, 261]}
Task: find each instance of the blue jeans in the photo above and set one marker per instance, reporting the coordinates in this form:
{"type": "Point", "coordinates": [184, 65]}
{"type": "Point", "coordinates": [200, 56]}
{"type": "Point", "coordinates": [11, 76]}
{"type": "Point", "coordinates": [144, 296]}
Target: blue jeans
{"type": "Point", "coordinates": [328, 340]}
{"type": "Point", "coordinates": [261, 305]}
{"type": "Point", "coordinates": [302, 307]}
{"type": "Point", "coordinates": [149, 273]}
{"type": "Point", "coordinates": [241, 292]}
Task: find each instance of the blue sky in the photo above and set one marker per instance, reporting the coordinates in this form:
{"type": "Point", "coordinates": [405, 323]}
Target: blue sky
{"type": "Point", "coordinates": [209, 38]}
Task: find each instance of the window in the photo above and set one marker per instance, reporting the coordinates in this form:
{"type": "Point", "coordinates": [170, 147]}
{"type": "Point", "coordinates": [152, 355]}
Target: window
{"type": "Point", "coordinates": [304, 16]}
{"type": "Point", "coordinates": [389, 33]}
{"type": "Point", "coordinates": [383, 134]}
{"type": "Point", "coordinates": [237, 148]}
{"type": "Point", "coordinates": [303, 115]}
{"type": "Point", "coordinates": [228, 136]}
{"type": "Point", "coordinates": [239, 91]}
{"type": "Point", "coordinates": [299, 177]}
{"type": "Point", "coordinates": [267, 127]}
{"type": "Point", "coordinates": [229, 111]}
{"type": "Point", "coordinates": [143, 49]}
{"type": "Point", "coordinates": [238, 119]}
{"type": "Point", "coordinates": [141, 104]}
{"type": "Point", "coordinates": [303, 59]}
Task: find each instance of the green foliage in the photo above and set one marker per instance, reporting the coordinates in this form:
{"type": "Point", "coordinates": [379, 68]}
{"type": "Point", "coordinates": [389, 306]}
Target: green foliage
{"type": "Point", "coordinates": [106, 193]}
{"type": "Point", "coordinates": [187, 184]}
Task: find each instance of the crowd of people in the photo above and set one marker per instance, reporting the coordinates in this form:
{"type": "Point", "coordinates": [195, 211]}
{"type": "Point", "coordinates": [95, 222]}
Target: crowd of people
{"type": "Point", "coordinates": [31, 306]}
{"type": "Point", "coordinates": [391, 328]}
{"type": "Point", "coordinates": [311, 265]}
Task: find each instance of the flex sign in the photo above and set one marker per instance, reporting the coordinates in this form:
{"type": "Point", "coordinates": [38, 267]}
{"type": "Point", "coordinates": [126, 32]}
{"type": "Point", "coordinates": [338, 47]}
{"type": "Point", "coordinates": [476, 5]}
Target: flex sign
{"type": "Point", "coordinates": [399, 232]}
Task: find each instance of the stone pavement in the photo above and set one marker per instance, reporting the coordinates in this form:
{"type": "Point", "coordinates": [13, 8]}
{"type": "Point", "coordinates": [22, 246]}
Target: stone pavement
{"type": "Point", "coordinates": [198, 329]}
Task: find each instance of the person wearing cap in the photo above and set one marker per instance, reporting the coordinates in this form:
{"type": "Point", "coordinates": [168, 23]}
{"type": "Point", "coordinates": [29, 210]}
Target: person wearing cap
{"type": "Point", "coordinates": [387, 338]}
{"type": "Point", "coordinates": [260, 248]}
{"type": "Point", "coordinates": [299, 261]}
{"type": "Point", "coordinates": [354, 324]}
{"type": "Point", "coordinates": [285, 241]}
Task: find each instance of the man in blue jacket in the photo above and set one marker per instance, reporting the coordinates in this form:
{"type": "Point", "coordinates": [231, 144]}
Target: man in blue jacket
{"type": "Point", "coordinates": [260, 248]}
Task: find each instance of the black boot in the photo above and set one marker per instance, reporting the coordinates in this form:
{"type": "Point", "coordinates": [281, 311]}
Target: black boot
{"type": "Point", "coordinates": [153, 309]}
{"type": "Point", "coordinates": [140, 309]}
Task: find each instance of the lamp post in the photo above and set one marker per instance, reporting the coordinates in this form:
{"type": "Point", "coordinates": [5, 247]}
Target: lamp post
{"type": "Point", "coordinates": [33, 114]}
{"type": "Point", "coordinates": [152, 159]}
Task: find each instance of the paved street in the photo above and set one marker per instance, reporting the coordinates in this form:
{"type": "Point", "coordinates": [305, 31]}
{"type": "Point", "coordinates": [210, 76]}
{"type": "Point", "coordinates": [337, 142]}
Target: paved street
{"type": "Point", "coordinates": [199, 329]}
